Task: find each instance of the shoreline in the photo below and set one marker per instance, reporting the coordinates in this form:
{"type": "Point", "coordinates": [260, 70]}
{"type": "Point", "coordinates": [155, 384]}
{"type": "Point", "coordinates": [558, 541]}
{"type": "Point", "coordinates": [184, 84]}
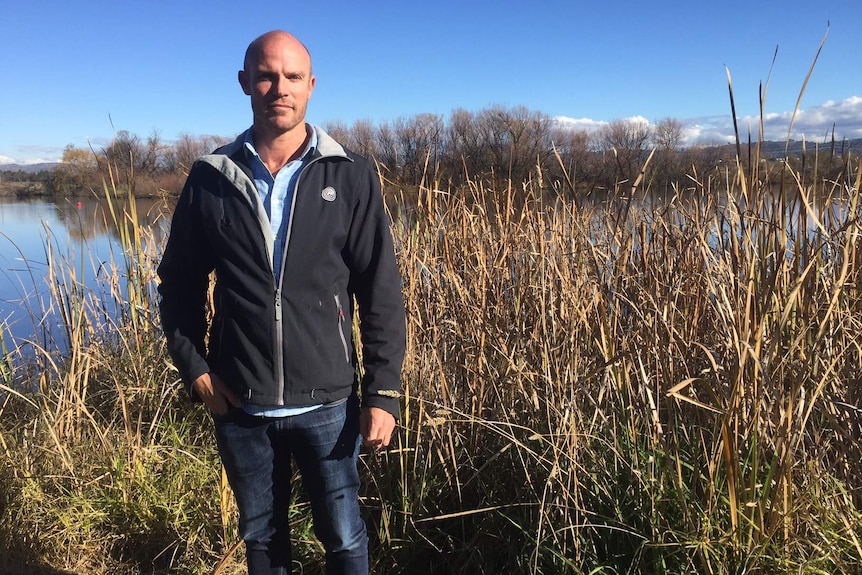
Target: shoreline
{"type": "Point", "coordinates": [23, 189]}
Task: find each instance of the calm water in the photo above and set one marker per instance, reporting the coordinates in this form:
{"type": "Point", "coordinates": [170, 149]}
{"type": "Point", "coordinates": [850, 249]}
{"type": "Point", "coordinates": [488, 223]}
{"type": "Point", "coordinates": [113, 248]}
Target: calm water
{"type": "Point", "coordinates": [80, 233]}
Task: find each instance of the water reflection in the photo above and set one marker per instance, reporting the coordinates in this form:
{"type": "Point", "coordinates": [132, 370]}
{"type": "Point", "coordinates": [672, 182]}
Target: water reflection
{"type": "Point", "coordinates": [85, 233]}
{"type": "Point", "coordinates": [82, 235]}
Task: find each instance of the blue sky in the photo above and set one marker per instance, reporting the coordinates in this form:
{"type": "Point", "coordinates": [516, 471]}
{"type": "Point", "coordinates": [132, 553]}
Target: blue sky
{"type": "Point", "coordinates": [76, 72]}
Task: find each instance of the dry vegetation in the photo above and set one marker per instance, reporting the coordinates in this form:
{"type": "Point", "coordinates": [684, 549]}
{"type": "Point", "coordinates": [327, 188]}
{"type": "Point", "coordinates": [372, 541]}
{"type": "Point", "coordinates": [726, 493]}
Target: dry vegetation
{"type": "Point", "coordinates": [638, 385]}
{"type": "Point", "coordinates": [631, 383]}
{"type": "Point", "coordinates": [641, 387]}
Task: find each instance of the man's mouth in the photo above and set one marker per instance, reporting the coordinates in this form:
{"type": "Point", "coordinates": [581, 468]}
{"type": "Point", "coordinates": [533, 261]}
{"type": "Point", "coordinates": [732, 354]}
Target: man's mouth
{"type": "Point", "coordinates": [280, 111]}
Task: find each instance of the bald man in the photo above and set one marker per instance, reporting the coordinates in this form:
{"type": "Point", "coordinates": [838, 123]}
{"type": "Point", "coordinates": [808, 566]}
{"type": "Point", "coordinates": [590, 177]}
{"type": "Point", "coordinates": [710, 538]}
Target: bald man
{"type": "Point", "coordinates": [294, 228]}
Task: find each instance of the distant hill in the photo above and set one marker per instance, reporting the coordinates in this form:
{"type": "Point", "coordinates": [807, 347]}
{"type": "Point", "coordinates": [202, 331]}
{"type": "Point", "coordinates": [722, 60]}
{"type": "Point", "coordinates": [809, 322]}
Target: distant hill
{"type": "Point", "coordinates": [774, 150]}
{"type": "Point", "coordinates": [29, 168]}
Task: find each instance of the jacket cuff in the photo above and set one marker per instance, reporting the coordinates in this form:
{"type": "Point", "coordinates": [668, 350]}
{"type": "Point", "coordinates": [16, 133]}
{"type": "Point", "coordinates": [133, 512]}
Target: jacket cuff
{"type": "Point", "coordinates": [188, 378]}
{"type": "Point", "coordinates": [390, 402]}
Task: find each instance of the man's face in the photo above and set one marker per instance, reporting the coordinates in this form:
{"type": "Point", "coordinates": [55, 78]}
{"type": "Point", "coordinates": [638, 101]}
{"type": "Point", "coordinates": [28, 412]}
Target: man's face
{"type": "Point", "coordinates": [278, 79]}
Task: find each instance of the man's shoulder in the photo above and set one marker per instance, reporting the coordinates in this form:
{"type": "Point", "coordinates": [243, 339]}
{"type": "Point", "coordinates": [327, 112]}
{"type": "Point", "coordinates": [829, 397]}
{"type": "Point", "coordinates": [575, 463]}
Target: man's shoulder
{"type": "Point", "coordinates": [225, 155]}
{"type": "Point", "coordinates": [358, 160]}
{"type": "Point", "coordinates": [223, 164]}
{"type": "Point", "coordinates": [328, 147]}
{"type": "Point", "coordinates": [234, 149]}
{"type": "Point", "coordinates": [210, 165]}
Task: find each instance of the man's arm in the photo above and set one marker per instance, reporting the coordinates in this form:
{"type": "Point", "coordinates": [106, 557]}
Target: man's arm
{"type": "Point", "coordinates": [376, 283]}
{"type": "Point", "coordinates": [184, 283]}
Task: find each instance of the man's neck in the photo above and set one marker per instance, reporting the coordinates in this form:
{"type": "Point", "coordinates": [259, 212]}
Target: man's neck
{"type": "Point", "coordinates": [278, 151]}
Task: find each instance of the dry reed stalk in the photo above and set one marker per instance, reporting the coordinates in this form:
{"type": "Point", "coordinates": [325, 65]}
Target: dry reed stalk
{"type": "Point", "coordinates": [673, 330]}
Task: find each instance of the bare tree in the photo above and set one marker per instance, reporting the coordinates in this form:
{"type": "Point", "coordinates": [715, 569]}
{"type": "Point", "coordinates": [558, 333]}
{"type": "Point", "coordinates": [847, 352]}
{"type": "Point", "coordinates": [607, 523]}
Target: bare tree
{"type": "Point", "coordinates": [152, 154]}
{"type": "Point", "coordinates": [360, 138]}
{"type": "Point", "coordinates": [339, 131]}
{"type": "Point", "coordinates": [121, 155]}
{"type": "Point", "coordinates": [189, 148]}
{"type": "Point", "coordinates": [667, 138]}
{"type": "Point", "coordinates": [418, 142]}
{"type": "Point", "coordinates": [573, 149]}
{"type": "Point", "coordinates": [387, 149]}
{"type": "Point", "coordinates": [463, 155]}
{"type": "Point", "coordinates": [529, 134]}
{"type": "Point", "coordinates": [625, 141]}
{"type": "Point", "coordinates": [364, 138]}
{"type": "Point", "coordinates": [515, 139]}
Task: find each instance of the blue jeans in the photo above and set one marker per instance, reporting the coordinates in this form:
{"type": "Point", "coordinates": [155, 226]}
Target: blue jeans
{"type": "Point", "coordinates": [256, 453]}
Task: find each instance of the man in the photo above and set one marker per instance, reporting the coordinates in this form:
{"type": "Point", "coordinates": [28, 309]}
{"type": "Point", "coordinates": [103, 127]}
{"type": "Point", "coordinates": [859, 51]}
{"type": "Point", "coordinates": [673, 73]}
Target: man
{"type": "Point", "coordinates": [294, 227]}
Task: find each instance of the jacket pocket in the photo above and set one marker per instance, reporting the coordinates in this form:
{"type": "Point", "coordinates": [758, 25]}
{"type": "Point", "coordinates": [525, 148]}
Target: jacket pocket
{"type": "Point", "coordinates": [340, 309]}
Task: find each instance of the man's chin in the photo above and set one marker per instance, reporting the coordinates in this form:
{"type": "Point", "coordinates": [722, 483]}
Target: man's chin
{"type": "Point", "coordinates": [282, 125]}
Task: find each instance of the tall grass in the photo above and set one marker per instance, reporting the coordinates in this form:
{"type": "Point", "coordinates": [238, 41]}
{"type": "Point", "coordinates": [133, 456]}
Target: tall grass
{"type": "Point", "coordinates": [102, 467]}
{"type": "Point", "coordinates": [671, 389]}
{"type": "Point", "coordinates": [638, 385]}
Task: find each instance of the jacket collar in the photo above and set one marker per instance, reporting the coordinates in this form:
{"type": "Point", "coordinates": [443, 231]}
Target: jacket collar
{"type": "Point", "coordinates": [326, 145]}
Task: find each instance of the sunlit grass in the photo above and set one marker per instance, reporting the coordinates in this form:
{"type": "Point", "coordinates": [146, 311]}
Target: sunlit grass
{"type": "Point", "coordinates": [642, 385]}
{"type": "Point", "coordinates": [653, 393]}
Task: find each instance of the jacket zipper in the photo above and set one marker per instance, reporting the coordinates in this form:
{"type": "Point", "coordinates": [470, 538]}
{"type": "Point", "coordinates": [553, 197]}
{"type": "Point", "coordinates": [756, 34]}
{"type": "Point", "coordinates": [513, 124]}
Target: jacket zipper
{"type": "Point", "coordinates": [279, 332]}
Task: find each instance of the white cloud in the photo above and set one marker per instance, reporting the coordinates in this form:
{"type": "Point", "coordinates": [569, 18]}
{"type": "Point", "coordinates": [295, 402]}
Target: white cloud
{"type": "Point", "coordinates": [705, 133]}
{"type": "Point", "coordinates": [814, 124]}
{"type": "Point", "coordinates": [637, 120]}
{"type": "Point", "coordinates": [709, 130]}
{"type": "Point", "coordinates": [590, 126]}
{"type": "Point", "coordinates": [31, 154]}
{"type": "Point", "coordinates": [581, 124]}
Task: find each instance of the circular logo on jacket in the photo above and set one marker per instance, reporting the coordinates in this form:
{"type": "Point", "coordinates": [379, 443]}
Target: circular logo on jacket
{"type": "Point", "coordinates": [328, 194]}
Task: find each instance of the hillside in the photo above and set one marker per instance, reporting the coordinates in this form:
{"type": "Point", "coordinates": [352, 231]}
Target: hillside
{"type": "Point", "coordinates": [29, 168]}
{"type": "Point", "coordinates": [773, 150]}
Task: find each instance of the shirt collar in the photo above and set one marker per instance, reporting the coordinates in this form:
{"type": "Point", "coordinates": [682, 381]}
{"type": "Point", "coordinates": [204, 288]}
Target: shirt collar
{"type": "Point", "coordinates": [310, 147]}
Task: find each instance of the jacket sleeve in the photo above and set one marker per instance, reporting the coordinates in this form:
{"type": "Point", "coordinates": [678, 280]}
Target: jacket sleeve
{"type": "Point", "coordinates": [376, 283]}
{"type": "Point", "coordinates": [184, 282]}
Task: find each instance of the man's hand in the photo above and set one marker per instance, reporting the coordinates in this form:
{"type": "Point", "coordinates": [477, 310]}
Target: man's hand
{"type": "Point", "coordinates": [376, 426]}
{"type": "Point", "coordinates": [217, 397]}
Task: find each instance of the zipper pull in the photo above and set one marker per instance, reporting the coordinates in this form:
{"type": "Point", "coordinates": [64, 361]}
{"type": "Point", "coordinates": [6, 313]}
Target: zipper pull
{"type": "Point", "coordinates": [277, 305]}
{"type": "Point", "coordinates": [340, 308]}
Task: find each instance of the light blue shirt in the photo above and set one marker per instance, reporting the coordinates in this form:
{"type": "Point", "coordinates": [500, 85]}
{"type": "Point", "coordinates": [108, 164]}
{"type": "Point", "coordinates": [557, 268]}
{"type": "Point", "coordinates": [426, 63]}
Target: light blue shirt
{"type": "Point", "coordinates": [276, 195]}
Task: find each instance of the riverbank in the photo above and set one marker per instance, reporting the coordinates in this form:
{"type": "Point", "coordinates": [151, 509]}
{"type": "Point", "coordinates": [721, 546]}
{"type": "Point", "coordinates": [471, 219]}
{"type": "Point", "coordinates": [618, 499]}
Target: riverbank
{"type": "Point", "coordinates": [23, 189]}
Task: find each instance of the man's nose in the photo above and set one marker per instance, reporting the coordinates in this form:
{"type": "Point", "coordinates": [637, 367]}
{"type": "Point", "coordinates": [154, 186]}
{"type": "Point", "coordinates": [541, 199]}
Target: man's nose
{"type": "Point", "coordinates": [279, 86]}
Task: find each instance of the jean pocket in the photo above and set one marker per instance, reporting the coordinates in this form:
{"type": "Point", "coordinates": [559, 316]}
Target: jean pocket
{"type": "Point", "coordinates": [232, 414]}
{"type": "Point", "coordinates": [336, 403]}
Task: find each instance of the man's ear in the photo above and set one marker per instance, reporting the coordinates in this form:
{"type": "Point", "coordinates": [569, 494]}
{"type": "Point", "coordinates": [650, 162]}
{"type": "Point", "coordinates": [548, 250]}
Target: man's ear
{"type": "Point", "coordinates": [242, 76]}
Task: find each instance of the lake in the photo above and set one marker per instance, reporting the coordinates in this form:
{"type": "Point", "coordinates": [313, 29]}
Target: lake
{"type": "Point", "coordinates": [77, 232]}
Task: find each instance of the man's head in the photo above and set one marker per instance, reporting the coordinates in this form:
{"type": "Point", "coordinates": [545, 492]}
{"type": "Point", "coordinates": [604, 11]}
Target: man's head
{"type": "Point", "coordinates": [277, 76]}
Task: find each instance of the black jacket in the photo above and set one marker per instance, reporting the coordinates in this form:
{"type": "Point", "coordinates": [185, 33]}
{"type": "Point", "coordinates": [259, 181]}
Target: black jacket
{"type": "Point", "coordinates": [286, 342]}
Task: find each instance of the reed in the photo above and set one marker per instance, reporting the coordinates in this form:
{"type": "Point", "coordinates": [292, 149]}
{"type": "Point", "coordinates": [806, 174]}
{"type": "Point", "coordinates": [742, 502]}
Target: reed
{"type": "Point", "coordinates": [660, 388]}
{"type": "Point", "coordinates": [639, 385]}
{"type": "Point", "coordinates": [102, 462]}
